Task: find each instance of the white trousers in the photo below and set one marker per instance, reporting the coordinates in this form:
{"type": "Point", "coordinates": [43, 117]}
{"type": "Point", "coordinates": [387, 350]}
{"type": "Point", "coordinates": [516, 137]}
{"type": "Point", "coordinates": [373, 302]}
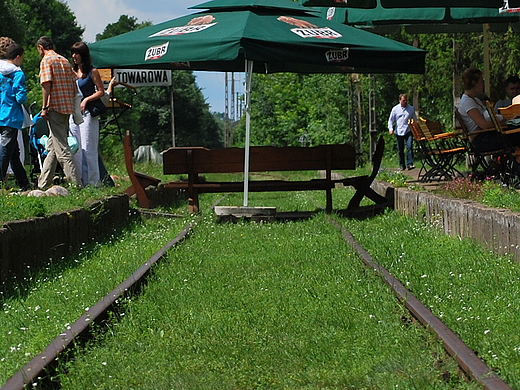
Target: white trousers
{"type": "Point", "coordinates": [86, 159]}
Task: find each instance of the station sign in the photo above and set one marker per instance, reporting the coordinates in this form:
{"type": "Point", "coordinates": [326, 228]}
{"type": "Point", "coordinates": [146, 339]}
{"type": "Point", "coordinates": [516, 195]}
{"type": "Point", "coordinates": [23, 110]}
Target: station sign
{"type": "Point", "coordinates": [139, 77]}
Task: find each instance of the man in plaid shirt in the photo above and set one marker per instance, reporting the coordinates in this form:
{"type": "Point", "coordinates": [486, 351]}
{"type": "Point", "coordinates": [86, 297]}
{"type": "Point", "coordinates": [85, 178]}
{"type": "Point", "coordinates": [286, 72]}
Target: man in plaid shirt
{"type": "Point", "coordinates": [58, 89]}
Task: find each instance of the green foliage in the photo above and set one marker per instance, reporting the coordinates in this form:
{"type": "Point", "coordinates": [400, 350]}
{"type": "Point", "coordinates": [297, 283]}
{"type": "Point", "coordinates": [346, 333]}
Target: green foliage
{"type": "Point", "coordinates": [12, 20]}
{"type": "Point", "coordinates": [53, 18]}
{"type": "Point", "coordinates": [285, 107]}
{"type": "Point", "coordinates": [26, 20]}
{"type": "Point", "coordinates": [123, 25]}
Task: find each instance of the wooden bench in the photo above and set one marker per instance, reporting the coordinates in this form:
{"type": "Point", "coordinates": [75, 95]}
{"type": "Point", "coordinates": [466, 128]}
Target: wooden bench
{"type": "Point", "coordinates": [139, 180]}
{"type": "Point", "coordinates": [198, 160]}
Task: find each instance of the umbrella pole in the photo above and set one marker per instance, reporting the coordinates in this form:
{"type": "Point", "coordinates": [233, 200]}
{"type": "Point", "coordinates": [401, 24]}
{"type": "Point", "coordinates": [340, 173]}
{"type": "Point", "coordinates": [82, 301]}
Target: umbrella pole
{"type": "Point", "coordinates": [249, 72]}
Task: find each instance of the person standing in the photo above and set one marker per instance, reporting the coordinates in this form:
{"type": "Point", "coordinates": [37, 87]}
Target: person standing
{"type": "Point", "coordinates": [398, 125]}
{"type": "Point", "coordinates": [58, 90]}
{"type": "Point", "coordinates": [91, 87]}
{"type": "Point", "coordinates": [12, 95]}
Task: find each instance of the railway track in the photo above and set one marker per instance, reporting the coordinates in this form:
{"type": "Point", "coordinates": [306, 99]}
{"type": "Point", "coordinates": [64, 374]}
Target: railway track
{"type": "Point", "coordinates": [41, 369]}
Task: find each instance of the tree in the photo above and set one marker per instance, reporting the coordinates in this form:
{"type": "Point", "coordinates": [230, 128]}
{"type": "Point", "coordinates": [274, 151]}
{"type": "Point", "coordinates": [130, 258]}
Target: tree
{"type": "Point", "coordinates": [286, 107]}
{"type": "Point", "coordinates": [26, 20]}
{"type": "Point", "coordinates": [52, 18]}
{"type": "Point", "coordinates": [123, 25]}
{"type": "Point", "coordinates": [12, 20]}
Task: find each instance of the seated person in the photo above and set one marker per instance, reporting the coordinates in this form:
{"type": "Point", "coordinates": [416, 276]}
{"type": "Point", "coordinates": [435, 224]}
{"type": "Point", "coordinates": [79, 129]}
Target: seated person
{"type": "Point", "coordinates": [512, 86]}
{"type": "Point", "coordinates": [475, 116]}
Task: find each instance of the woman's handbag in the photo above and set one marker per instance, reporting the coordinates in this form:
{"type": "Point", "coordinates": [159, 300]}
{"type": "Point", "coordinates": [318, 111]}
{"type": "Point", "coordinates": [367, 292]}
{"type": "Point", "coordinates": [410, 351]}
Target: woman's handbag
{"type": "Point", "coordinates": [96, 107]}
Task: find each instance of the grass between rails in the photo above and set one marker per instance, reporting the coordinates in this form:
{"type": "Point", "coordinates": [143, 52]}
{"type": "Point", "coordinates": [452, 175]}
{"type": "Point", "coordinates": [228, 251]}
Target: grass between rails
{"type": "Point", "coordinates": [258, 306]}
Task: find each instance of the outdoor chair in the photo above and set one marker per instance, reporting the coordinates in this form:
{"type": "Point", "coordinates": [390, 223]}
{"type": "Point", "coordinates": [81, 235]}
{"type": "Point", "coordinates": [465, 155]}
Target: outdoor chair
{"type": "Point", "coordinates": [483, 165]}
{"type": "Point", "coordinates": [510, 112]}
{"type": "Point", "coordinates": [506, 162]}
{"type": "Point", "coordinates": [440, 153]}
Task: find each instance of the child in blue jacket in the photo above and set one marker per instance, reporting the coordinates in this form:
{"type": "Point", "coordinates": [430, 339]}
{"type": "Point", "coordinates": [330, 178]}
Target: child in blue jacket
{"type": "Point", "coordinates": [12, 95]}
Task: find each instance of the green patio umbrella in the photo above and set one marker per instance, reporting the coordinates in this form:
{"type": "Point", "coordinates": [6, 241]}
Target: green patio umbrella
{"type": "Point", "coordinates": [511, 4]}
{"type": "Point", "coordinates": [424, 20]}
{"type": "Point", "coordinates": [277, 35]}
{"type": "Point", "coordinates": [263, 36]}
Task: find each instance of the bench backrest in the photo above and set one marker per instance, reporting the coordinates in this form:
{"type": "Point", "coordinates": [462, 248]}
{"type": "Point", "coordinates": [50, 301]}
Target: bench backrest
{"type": "Point", "coordinates": [261, 158]}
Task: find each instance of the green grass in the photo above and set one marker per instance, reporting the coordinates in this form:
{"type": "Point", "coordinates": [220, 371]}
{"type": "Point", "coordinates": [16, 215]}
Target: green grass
{"type": "Point", "coordinates": [15, 206]}
{"type": "Point", "coordinates": [263, 306]}
{"type": "Point", "coordinates": [47, 302]}
{"type": "Point", "coordinates": [272, 305]}
{"type": "Point", "coordinates": [472, 290]}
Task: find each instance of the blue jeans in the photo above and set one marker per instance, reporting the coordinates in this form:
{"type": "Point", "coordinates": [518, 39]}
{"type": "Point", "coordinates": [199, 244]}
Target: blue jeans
{"type": "Point", "coordinates": [402, 142]}
{"type": "Point", "coordinates": [10, 153]}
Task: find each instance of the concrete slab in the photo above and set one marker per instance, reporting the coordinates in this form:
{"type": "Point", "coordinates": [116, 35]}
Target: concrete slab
{"type": "Point", "coordinates": [233, 213]}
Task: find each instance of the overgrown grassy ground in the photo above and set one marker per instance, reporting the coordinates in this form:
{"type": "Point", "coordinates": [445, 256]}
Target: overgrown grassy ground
{"type": "Point", "coordinates": [48, 301]}
{"type": "Point", "coordinates": [283, 305]}
{"type": "Point", "coordinates": [243, 306]}
{"type": "Point", "coordinates": [15, 206]}
{"type": "Point", "coordinates": [257, 306]}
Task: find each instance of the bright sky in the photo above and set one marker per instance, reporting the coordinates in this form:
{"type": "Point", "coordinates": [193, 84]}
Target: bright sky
{"type": "Point", "coordinates": [94, 16]}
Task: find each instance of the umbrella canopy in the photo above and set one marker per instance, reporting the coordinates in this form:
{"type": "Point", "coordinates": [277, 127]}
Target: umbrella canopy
{"type": "Point", "coordinates": [429, 21]}
{"type": "Point", "coordinates": [425, 20]}
{"type": "Point", "coordinates": [412, 3]}
{"type": "Point", "coordinates": [278, 37]}
{"type": "Point", "coordinates": [256, 36]}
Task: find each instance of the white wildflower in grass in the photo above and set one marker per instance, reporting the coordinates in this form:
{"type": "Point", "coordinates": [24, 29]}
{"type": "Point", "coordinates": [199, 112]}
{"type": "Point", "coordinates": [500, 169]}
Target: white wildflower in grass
{"type": "Point", "coordinates": [486, 331]}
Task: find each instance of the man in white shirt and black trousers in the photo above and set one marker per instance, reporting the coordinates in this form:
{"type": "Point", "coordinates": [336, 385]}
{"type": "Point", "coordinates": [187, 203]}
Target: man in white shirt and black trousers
{"type": "Point", "coordinates": [398, 125]}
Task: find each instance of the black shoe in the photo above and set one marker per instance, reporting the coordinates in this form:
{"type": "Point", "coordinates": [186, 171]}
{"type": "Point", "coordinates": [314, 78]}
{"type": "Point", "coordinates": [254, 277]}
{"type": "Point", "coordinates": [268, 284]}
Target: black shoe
{"type": "Point", "coordinates": [410, 167]}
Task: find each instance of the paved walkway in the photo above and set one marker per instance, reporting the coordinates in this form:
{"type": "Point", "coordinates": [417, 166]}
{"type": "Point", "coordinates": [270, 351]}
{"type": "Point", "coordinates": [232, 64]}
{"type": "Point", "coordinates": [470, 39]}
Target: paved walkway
{"type": "Point", "coordinates": [414, 178]}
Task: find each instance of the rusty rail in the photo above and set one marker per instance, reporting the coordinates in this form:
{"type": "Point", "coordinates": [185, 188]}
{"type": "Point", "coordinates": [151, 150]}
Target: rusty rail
{"type": "Point", "coordinates": [467, 360]}
{"type": "Point", "coordinates": [38, 368]}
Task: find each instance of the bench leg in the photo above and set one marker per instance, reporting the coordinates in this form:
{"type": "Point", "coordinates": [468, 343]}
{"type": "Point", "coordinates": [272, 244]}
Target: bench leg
{"type": "Point", "coordinates": [193, 201]}
{"type": "Point", "coordinates": [363, 189]}
{"type": "Point", "coordinates": [328, 205]}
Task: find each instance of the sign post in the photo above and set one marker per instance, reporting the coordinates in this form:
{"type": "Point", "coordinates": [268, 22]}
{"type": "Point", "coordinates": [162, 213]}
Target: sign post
{"type": "Point", "coordinates": [143, 78]}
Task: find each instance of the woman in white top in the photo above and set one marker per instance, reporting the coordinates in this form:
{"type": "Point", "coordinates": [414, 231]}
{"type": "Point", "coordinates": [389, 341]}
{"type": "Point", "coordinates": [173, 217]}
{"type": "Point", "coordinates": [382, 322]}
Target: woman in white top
{"type": "Point", "coordinates": [475, 116]}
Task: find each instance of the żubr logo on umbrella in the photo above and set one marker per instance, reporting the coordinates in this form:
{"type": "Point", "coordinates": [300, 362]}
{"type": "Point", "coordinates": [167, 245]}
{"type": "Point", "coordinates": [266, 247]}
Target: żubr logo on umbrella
{"type": "Point", "coordinates": [156, 52]}
{"type": "Point", "coordinates": [198, 24]}
{"type": "Point", "coordinates": [337, 55]}
{"type": "Point", "coordinates": [308, 30]}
